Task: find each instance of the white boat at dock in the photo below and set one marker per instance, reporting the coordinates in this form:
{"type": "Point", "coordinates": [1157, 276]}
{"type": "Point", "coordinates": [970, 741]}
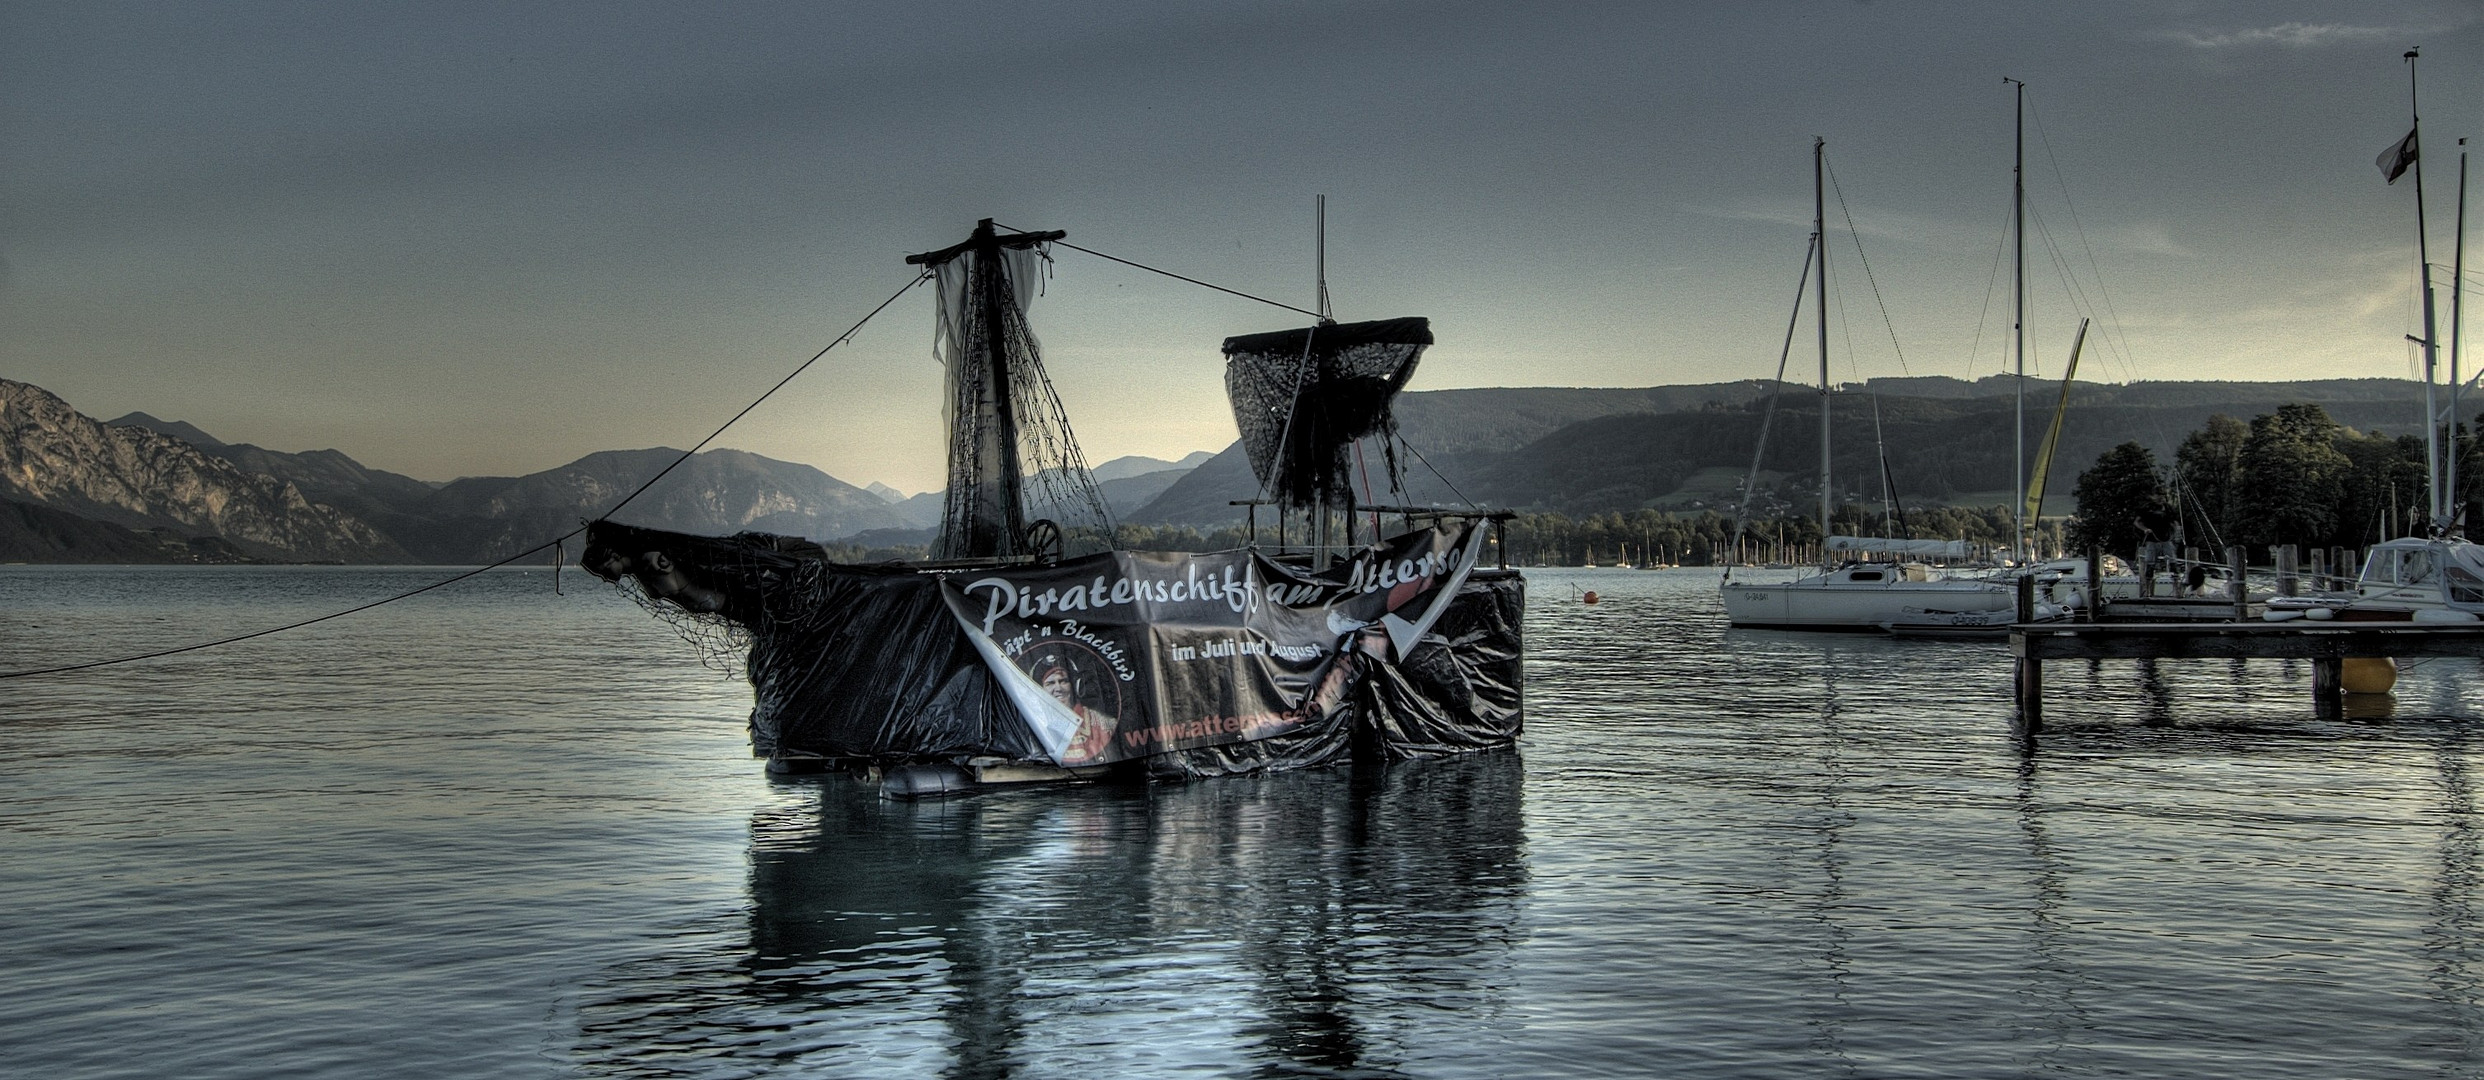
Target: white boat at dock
{"type": "Point", "coordinates": [1870, 597]}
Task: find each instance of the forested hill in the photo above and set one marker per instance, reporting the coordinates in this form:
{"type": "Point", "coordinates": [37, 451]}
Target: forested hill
{"type": "Point", "coordinates": [1948, 441]}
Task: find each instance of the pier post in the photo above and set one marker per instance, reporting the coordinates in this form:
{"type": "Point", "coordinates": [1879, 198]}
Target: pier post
{"type": "Point", "coordinates": [2328, 678]}
{"type": "Point", "coordinates": [2027, 682]}
{"type": "Point", "coordinates": [2027, 721]}
{"type": "Point", "coordinates": [2328, 687]}
{"type": "Point", "coordinates": [2095, 583]}
{"type": "Point", "coordinates": [2236, 586]}
{"type": "Point", "coordinates": [2320, 570]}
{"type": "Point", "coordinates": [2289, 576]}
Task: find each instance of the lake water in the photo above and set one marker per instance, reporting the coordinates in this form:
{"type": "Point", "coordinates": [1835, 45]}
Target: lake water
{"type": "Point", "coordinates": [498, 832]}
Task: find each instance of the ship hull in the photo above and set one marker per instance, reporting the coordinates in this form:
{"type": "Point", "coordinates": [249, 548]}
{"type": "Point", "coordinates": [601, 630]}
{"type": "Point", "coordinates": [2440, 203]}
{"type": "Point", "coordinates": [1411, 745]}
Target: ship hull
{"type": "Point", "coordinates": [874, 667]}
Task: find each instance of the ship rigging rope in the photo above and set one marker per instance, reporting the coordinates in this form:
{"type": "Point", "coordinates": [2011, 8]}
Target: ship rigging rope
{"type": "Point", "coordinates": [557, 541]}
{"type": "Point", "coordinates": [1856, 235]}
{"type": "Point", "coordinates": [1444, 477]}
{"type": "Point", "coordinates": [1174, 276]}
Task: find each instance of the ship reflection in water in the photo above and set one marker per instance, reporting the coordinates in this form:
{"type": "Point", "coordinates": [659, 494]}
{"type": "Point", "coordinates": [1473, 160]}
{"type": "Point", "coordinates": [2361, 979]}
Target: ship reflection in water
{"type": "Point", "coordinates": [1722, 854]}
{"type": "Point", "coordinates": [1317, 920]}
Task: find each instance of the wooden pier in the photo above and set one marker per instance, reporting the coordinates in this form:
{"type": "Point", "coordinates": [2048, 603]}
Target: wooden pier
{"type": "Point", "coordinates": [2325, 644]}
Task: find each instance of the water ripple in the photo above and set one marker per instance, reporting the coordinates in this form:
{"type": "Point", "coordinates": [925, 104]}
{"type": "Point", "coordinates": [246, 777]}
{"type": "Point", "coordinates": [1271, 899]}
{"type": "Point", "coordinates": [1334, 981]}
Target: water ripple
{"type": "Point", "coordinates": [498, 832]}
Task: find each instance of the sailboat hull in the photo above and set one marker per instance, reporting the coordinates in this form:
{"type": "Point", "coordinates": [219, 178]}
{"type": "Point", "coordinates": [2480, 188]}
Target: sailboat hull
{"type": "Point", "coordinates": [1864, 607]}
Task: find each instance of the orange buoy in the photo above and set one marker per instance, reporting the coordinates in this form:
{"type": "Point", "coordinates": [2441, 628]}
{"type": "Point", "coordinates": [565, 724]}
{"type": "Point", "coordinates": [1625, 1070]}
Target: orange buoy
{"type": "Point", "coordinates": [2367, 674]}
{"type": "Point", "coordinates": [1590, 597]}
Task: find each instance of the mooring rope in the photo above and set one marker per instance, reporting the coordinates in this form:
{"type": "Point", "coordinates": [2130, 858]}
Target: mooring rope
{"type": "Point", "coordinates": [556, 542]}
{"type": "Point", "coordinates": [841, 339]}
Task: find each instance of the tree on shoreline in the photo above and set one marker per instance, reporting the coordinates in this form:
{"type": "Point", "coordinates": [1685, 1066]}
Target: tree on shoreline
{"type": "Point", "coordinates": [2122, 502]}
{"type": "Point", "coordinates": [2290, 478]}
{"type": "Point", "coordinates": [2207, 468]}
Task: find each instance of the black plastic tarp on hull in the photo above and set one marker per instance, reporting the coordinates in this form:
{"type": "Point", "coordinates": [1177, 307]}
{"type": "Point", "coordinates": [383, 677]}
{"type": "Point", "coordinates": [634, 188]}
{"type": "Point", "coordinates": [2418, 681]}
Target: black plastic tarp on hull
{"type": "Point", "coordinates": [878, 664]}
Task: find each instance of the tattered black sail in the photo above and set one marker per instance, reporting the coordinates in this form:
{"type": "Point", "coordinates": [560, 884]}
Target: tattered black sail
{"type": "Point", "coordinates": [1013, 463]}
{"type": "Point", "coordinates": [1301, 398]}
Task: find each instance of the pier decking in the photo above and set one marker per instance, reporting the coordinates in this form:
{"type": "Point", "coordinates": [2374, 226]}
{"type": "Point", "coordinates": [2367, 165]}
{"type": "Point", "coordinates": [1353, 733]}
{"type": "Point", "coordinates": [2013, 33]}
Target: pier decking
{"type": "Point", "coordinates": [2325, 644]}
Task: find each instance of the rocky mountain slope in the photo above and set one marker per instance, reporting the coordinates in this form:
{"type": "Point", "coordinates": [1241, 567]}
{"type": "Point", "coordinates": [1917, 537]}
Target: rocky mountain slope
{"type": "Point", "coordinates": [53, 456]}
{"type": "Point", "coordinates": [1577, 451]}
{"type": "Point", "coordinates": [480, 519]}
{"type": "Point", "coordinates": [31, 533]}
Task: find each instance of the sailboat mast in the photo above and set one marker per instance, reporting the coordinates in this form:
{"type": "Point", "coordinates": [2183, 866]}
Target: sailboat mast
{"type": "Point", "coordinates": [2018, 318]}
{"type": "Point", "coordinates": [2458, 296]}
{"type": "Point", "coordinates": [1819, 236]}
{"type": "Point", "coordinates": [2423, 269]}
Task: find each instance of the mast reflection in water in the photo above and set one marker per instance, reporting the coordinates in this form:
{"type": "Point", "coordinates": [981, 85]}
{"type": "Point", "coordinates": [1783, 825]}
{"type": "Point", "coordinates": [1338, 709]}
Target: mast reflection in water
{"type": "Point", "coordinates": [1325, 919]}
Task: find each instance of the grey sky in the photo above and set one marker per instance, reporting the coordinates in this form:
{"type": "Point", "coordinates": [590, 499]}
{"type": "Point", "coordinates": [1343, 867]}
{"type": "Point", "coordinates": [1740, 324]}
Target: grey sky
{"type": "Point", "coordinates": [459, 239]}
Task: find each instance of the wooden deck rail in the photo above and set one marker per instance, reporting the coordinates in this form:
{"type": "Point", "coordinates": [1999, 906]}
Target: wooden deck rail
{"type": "Point", "coordinates": [2325, 644]}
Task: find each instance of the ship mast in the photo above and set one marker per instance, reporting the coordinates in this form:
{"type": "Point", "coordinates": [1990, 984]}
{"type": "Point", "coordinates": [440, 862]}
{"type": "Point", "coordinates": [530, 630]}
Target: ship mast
{"type": "Point", "coordinates": [2435, 514]}
{"type": "Point", "coordinates": [1819, 238]}
{"type": "Point", "coordinates": [2458, 295]}
{"type": "Point", "coordinates": [2018, 319]}
{"type": "Point", "coordinates": [985, 514]}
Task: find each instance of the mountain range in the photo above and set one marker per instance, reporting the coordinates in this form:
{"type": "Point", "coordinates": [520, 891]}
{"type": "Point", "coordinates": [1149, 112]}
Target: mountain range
{"type": "Point", "coordinates": [143, 489]}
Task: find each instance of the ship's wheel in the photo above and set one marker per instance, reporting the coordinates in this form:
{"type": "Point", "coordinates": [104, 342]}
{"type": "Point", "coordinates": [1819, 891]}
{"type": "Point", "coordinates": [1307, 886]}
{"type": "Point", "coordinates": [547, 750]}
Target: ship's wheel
{"type": "Point", "coordinates": [1043, 538]}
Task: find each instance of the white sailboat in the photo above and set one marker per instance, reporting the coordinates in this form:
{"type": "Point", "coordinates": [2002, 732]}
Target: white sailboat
{"type": "Point", "coordinates": [2439, 576]}
{"type": "Point", "coordinates": [1861, 595]}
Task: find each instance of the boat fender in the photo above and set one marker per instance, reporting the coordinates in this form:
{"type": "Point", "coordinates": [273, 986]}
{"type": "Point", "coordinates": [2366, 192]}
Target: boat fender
{"type": "Point", "coordinates": [924, 782]}
{"type": "Point", "coordinates": [2281, 615]}
{"type": "Point", "coordinates": [2319, 614]}
{"type": "Point", "coordinates": [2443, 615]}
{"type": "Point", "coordinates": [2367, 674]}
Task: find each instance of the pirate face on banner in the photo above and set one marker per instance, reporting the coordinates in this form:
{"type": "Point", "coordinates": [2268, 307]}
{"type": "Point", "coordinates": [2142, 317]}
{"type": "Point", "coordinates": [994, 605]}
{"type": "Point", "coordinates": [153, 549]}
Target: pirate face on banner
{"type": "Point", "coordinates": [1076, 676]}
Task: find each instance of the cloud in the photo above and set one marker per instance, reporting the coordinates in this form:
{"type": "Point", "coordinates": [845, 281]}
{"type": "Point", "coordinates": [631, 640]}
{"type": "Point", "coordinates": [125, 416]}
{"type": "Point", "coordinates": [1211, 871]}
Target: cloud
{"type": "Point", "coordinates": [2289, 35]}
{"type": "Point", "coordinates": [2145, 239]}
{"type": "Point", "coordinates": [1872, 223]}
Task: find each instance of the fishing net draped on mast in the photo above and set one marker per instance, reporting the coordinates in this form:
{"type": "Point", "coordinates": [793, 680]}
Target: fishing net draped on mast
{"type": "Point", "coordinates": [1013, 462]}
{"type": "Point", "coordinates": [1302, 397]}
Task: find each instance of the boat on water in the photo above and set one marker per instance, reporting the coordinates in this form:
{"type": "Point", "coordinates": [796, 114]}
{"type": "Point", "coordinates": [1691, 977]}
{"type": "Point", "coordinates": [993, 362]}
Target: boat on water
{"type": "Point", "coordinates": [1029, 648]}
{"type": "Point", "coordinates": [2438, 579]}
{"type": "Point", "coordinates": [1884, 590]}
{"type": "Point", "coordinates": [1870, 597]}
{"type": "Point", "coordinates": [2438, 576]}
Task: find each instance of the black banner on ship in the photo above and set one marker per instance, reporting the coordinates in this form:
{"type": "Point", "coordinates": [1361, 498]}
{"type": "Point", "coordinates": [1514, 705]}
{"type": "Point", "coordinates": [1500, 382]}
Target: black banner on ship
{"type": "Point", "coordinates": [1128, 653]}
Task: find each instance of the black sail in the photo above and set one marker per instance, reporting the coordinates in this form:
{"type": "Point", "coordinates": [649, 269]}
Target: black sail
{"type": "Point", "coordinates": [1302, 397]}
{"type": "Point", "coordinates": [1013, 461]}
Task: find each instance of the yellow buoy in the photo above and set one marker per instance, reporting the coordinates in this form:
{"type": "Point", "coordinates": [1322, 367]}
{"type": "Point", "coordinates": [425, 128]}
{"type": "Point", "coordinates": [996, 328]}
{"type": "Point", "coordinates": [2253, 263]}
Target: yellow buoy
{"type": "Point", "coordinates": [2367, 674]}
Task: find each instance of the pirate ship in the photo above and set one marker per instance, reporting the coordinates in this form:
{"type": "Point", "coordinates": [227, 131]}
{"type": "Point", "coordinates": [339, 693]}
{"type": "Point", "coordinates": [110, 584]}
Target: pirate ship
{"type": "Point", "coordinates": [1030, 647]}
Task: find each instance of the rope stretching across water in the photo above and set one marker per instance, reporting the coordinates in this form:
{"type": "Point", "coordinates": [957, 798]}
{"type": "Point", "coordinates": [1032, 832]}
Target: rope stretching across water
{"type": "Point", "coordinates": [625, 500]}
{"type": "Point", "coordinates": [556, 541]}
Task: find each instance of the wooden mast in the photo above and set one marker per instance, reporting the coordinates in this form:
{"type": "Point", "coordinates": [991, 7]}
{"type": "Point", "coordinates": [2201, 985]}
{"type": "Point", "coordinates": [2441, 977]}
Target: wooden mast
{"type": "Point", "coordinates": [995, 517]}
